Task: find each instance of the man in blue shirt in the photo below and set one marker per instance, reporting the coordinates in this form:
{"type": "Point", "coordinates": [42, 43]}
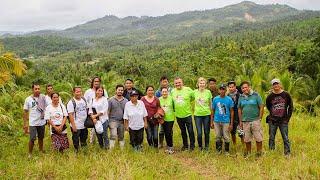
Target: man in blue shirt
{"type": "Point", "coordinates": [223, 118]}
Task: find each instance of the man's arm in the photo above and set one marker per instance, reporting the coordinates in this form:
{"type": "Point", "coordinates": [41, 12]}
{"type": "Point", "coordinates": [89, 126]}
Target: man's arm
{"type": "Point", "coordinates": [72, 121]}
{"type": "Point", "coordinates": [126, 125]}
{"type": "Point", "coordinates": [268, 103]}
{"type": "Point", "coordinates": [145, 122]}
{"type": "Point", "coordinates": [240, 117]}
{"type": "Point", "coordinates": [231, 117]}
{"type": "Point", "coordinates": [25, 121]}
{"type": "Point", "coordinates": [261, 111]}
{"type": "Point", "coordinates": [290, 107]}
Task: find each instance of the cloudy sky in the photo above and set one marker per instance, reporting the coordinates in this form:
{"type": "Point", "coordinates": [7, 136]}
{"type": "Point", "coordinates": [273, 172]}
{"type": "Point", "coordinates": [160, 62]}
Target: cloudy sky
{"type": "Point", "coordinates": [31, 15]}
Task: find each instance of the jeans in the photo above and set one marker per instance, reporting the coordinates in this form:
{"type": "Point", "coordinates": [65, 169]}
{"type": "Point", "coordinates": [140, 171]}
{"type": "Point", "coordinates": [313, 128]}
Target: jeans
{"type": "Point", "coordinates": [222, 132]}
{"type": "Point", "coordinates": [203, 122]}
{"type": "Point", "coordinates": [167, 127]}
{"type": "Point", "coordinates": [161, 134]}
{"type": "Point", "coordinates": [81, 134]}
{"type": "Point", "coordinates": [185, 124]}
{"type": "Point", "coordinates": [136, 137]}
{"type": "Point", "coordinates": [116, 130]}
{"type": "Point", "coordinates": [284, 133]}
{"type": "Point", "coordinates": [152, 134]}
{"type": "Point", "coordinates": [103, 138]}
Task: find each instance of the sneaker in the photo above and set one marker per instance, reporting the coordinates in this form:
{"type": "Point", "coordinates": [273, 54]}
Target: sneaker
{"type": "Point", "coordinates": [171, 151]}
{"type": "Point", "coordinates": [227, 153]}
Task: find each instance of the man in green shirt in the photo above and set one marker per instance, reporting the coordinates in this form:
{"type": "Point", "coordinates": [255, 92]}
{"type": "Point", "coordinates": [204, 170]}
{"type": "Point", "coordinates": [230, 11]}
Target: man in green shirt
{"type": "Point", "coordinates": [250, 111]}
{"type": "Point", "coordinates": [182, 98]}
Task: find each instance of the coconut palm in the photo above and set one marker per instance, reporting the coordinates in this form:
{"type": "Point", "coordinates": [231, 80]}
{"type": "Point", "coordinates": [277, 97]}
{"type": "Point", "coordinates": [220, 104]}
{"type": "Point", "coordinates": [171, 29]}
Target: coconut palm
{"type": "Point", "coordinates": [10, 66]}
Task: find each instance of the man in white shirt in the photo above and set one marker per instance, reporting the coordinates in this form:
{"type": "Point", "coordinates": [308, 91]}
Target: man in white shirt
{"type": "Point", "coordinates": [78, 111]}
{"type": "Point", "coordinates": [33, 117]}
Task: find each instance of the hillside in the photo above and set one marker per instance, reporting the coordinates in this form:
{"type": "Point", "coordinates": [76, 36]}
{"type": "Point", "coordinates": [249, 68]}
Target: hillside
{"type": "Point", "coordinates": [179, 24]}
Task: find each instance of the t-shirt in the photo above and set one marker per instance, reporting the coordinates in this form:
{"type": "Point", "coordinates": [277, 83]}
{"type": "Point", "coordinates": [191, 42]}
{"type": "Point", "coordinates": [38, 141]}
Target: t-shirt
{"type": "Point", "coordinates": [101, 106]}
{"type": "Point", "coordinates": [167, 106]}
{"type": "Point", "coordinates": [91, 94]}
{"type": "Point", "coordinates": [56, 114]}
{"type": "Point", "coordinates": [222, 106]}
{"type": "Point", "coordinates": [202, 102]}
{"type": "Point", "coordinates": [182, 101]}
{"type": "Point", "coordinates": [49, 101]}
{"type": "Point", "coordinates": [116, 108]}
{"type": "Point", "coordinates": [135, 114]}
{"type": "Point", "coordinates": [81, 112]}
{"type": "Point", "coordinates": [250, 106]}
{"type": "Point", "coordinates": [152, 107]}
{"type": "Point", "coordinates": [280, 107]}
{"type": "Point", "coordinates": [36, 107]}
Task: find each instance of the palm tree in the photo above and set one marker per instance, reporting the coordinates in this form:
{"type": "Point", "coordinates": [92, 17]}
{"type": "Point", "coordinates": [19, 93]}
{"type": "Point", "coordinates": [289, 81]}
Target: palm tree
{"type": "Point", "coordinates": [10, 66]}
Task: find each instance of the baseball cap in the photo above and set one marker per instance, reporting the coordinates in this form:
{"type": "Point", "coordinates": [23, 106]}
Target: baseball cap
{"type": "Point", "coordinates": [275, 81]}
{"type": "Point", "coordinates": [222, 86]}
{"type": "Point", "coordinates": [134, 92]}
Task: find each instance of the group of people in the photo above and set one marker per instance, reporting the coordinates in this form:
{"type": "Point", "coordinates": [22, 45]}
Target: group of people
{"type": "Point", "coordinates": [226, 108]}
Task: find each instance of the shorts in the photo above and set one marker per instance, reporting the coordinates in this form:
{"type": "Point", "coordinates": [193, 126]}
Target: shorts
{"type": "Point", "coordinates": [36, 131]}
{"type": "Point", "coordinates": [252, 130]}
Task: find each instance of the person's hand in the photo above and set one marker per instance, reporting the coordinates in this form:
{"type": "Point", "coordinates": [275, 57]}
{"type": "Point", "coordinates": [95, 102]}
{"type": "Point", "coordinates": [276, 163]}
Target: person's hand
{"type": "Point", "coordinates": [126, 128]}
{"type": "Point", "coordinates": [94, 120]}
{"type": "Point", "coordinates": [56, 128]}
{"type": "Point", "coordinates": [26, 129]}
{"type": "Point", "coordinates": [230, 127]}
{"type": "Point", "coordinates": [241, 125]}
{"type": "Point", "coordinates": [60, 129]}
{"type": "Point", "coordinates": [145, 125]}
{"type": "Point", "coordinates": [74, 128]}
{"type": "Point", "coordinates": [212, 125]}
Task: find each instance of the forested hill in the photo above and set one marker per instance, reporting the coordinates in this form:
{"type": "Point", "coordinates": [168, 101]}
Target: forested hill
{"type": "Point", "coordinates": [112, 33]}
{"type": "Point", "coordinates": [180, 24]}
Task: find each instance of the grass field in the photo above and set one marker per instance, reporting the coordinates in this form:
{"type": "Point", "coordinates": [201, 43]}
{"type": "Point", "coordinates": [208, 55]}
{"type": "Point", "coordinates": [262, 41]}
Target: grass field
{"type": "Point", "coordinates": [94, 163]}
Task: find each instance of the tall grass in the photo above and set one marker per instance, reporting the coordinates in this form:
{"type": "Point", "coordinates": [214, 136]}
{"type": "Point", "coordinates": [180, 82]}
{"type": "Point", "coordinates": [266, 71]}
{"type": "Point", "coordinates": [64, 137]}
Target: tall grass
{"type": "Point", "coordinates": [94, 163]}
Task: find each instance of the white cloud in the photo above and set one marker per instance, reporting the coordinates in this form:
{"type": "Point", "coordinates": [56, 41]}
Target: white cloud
{"type": "Point", "coordinates": [22, 15]}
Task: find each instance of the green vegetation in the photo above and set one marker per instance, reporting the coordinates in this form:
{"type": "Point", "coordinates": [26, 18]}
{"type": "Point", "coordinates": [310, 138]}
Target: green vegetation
{"type": "Point", "coordinates": [286, 46]}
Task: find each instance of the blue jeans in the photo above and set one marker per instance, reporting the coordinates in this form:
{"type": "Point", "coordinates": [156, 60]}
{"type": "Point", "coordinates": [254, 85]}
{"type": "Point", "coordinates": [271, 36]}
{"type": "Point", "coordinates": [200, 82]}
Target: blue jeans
{"type": "Point", "coordinates": [185, 124]}
{"type": "Point", "coordinates": [103, 138]}
{"type": "Point", "coordinates": [152, 134]}
{"type": "Point", "coordinates": [203, 122]}
{"type": "Point", "coordinates": [284, 133]}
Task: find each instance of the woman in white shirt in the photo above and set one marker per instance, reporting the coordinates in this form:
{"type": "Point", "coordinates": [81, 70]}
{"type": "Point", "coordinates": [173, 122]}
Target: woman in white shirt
{"type": "Point", "coordinates": [135, 120]}
{"type": "Point", "coordinates": [99, 112]}
{"type": "Point", "coordinates": [56, 114]}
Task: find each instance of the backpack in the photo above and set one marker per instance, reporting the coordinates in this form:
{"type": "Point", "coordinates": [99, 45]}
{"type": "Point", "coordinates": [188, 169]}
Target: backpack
{"type": "Point", "coordinates": [74, 107]}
